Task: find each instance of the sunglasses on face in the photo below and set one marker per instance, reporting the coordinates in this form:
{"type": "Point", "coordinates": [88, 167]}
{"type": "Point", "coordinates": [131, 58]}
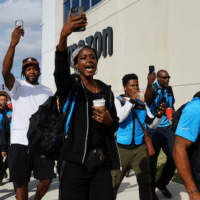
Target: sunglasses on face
{"type": "Point", "coordinates": [165, 77]}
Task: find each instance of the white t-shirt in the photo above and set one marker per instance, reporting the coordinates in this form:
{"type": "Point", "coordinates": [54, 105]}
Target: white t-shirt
{"type": "Point", "coordinates": [26, 99]}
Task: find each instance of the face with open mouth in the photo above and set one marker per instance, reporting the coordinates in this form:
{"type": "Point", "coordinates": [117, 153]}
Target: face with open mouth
{"type": "Point", "coordinates": [86, 63]}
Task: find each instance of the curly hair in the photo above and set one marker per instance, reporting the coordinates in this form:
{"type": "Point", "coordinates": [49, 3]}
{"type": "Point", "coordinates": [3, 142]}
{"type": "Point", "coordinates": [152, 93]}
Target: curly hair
{"type": "Point", "coordinates": [128, 77]}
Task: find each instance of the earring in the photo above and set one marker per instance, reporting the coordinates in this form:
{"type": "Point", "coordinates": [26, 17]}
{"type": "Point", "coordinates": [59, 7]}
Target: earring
{"type": "Point", "coordinates": [77, 71]}
{"type": "Point", "coordinates": [96, 71]}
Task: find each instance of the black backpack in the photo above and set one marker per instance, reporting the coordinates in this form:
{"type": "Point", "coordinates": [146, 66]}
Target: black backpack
{"type": "Point", "coordinates": [177, 116]}
{"type": "Point", "coordinates": [47, 128]}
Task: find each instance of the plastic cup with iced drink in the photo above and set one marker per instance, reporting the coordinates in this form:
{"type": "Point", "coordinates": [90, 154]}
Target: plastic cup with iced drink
{"type": "Point", "coordinates": [99, 104]}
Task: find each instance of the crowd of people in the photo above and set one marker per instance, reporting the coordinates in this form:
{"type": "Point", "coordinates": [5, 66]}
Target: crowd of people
{"type": "Point", "coordinates": [102, 143]}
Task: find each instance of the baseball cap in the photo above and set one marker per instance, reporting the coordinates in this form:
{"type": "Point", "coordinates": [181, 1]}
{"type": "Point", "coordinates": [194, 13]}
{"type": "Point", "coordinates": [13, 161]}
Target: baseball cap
{"type": "Point", "coordinates": [30, 60]}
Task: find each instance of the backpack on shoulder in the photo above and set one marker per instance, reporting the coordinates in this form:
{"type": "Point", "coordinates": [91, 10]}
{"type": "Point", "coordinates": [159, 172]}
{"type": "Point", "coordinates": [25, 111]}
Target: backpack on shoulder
{"type": "Point", "coordinates": [177, 116]}
{"type": "Point", "coordinates": [48, 127]}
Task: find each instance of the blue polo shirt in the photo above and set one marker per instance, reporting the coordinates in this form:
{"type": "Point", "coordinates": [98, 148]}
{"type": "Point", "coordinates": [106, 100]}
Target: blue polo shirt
{"type": "Point", "coordinates": [189, 123]}
{"type": "Point", "coordinates": [156, 97]}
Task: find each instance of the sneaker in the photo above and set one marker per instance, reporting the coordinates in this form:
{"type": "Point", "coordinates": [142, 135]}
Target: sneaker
{"type": "Point", "coordinates": [1, 183]}
{"type": "Point", "coordinates": [155, 197]}
{"type": "Point", "coordinates": [128, 173]}
{"type": "Point", "coordinates": [5, 175]}
{"type": "Point", "coordinates": [164, 190]}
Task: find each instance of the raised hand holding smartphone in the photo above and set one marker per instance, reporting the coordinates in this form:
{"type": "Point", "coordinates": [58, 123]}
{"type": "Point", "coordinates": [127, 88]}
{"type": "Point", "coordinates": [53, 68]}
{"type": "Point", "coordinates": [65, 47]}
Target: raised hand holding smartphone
{"type": "Point", "coordinates": [76, 11]}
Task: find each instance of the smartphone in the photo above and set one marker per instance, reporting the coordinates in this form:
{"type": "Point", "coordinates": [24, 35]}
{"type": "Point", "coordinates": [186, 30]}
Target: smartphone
{"type": "Point", "coordinates": [19, 23]}
{"type": "Point", "coordinates": [151, 69]}
{"type": "Point", "coordinates": [77, 11]}
{"type": "Point", "coordinates": [163, 99]}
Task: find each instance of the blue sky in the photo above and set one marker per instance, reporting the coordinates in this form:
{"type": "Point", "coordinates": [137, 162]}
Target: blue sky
{"type": "Point", "coordinates": [30, 11]}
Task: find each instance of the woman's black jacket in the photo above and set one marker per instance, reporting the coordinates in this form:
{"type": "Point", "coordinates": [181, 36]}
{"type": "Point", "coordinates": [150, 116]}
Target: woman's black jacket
{"type": "Point", "coordinates": [75, 146]}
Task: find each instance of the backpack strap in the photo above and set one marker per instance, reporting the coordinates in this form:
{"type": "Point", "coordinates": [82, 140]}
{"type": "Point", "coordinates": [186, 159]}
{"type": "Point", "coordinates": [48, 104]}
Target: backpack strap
{"type": "Point", "coordinates": [69, 106]}
{"type": "Point", "coordinates": [169, 89]}
{"type": "Point", "coordinates": [70, 111]}
{"type": "Point", "coordinates": [121, 100]}
{"type": "Point", "coordinates": [156, 87]}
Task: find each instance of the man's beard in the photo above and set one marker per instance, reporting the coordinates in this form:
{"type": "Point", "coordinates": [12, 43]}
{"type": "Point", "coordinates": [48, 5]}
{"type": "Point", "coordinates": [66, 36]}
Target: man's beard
{"type": "Point", "coordinates": [32, 82]}
{"type": "Point", "coordinates": [3, 106]}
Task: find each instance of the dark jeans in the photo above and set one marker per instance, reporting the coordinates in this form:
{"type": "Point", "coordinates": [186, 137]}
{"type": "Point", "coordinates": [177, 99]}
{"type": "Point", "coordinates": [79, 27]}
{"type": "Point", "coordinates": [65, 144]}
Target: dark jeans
{"type": "Point", "coordinates": [76, 183]}
{"type": "Point", "coordinates": [162, 137]}
{"type": "Point", "coordinates": [3, 167]}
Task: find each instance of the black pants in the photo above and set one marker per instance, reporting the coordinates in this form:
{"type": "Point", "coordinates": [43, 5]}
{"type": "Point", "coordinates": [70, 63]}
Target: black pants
{"type": "Point", "coordinates": [3, 167]}
{"type": "Point", "coordinates": [22, 162]}
{"type": "Point", "coordinates": [76, 183]}
{"type": "Point", "coordinates": [162, 137]}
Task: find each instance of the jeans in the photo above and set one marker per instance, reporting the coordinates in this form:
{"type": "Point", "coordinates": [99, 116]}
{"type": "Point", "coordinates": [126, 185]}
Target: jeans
{"type": "Point", "coordinates": [162, 137]}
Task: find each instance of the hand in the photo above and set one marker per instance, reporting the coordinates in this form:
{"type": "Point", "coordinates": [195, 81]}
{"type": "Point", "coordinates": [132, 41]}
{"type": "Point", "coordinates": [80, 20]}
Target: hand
{"type": "Point", "coordinates": [151, 78]}
{"type": "Point", "coordinates": [102, 116]}
{"type": "Point", "coordinates": [4, 154]}
{"type": "Point", "coordinates": [142, 96]}
{"type": "Point", "coordinates": [72, 23]}
{"type": "Point", "coordinates": [16, 35]}
{"type": "Point", "coordinates": [161, 110]}
{"type": "Point", "coordinates": [133, 93]}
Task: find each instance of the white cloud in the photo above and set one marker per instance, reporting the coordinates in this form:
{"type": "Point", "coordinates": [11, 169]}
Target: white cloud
{"type": "Point", "coordinates": [30, 11]}
{"type": "Point", "coordinates": [27, 10]}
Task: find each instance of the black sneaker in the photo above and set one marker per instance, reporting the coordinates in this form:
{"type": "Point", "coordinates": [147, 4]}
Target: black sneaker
{"type": "Point", "coordinates": [155, 197]}
{"type": "Point", "coordinates": [128, 173]}
{"type": "Point", "coordinates": [164, 190]}
{"type": "Point", "coordinates": [5, 175]}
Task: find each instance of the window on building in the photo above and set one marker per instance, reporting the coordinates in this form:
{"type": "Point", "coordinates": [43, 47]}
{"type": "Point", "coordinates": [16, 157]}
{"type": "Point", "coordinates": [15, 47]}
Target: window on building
{"type": "Point", "coordinates": [94, 2]}
{"type": "Point", "coordinates": [88, 4]}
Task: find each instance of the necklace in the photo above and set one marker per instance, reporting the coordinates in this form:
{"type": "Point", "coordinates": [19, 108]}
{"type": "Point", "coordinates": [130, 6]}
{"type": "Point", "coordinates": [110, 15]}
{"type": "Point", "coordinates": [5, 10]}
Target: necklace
{"type": "Point", "coordinates": [95, 86]}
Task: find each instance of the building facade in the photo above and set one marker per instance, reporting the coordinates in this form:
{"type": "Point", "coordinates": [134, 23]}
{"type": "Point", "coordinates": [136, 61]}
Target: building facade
{"type": "Point", "coordinates": [130, 35]}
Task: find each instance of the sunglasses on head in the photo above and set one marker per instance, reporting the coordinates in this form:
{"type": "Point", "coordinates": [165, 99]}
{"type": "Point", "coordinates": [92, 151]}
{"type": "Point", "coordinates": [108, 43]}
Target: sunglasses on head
{"type": "Point", "coordinates": [28, 59]}
{"type": "Point", "coordinates": [165, 77]}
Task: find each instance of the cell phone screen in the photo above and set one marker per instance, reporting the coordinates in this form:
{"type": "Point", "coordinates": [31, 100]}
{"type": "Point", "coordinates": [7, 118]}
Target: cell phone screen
{"type": "Point", "coordinates": [151, 69]}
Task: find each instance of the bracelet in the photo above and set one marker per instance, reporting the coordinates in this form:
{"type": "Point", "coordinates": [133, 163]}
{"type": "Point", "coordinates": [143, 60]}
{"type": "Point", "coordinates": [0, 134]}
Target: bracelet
{"type": "Point", "coordinates": [191, 192]}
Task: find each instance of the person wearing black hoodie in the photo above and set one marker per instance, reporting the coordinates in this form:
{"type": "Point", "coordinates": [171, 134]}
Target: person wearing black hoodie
{"type": "Point", "coordinates": [91, 130]}
{"type": "Point", "coordinates": [4, 110]}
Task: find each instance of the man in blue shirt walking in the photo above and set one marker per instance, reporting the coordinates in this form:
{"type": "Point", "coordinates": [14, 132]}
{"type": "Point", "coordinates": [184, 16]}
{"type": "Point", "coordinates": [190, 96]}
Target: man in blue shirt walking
{"type": "Point", "coordinates": [162, 136]}
{"type": "Point", "coordinates": [186, 147]}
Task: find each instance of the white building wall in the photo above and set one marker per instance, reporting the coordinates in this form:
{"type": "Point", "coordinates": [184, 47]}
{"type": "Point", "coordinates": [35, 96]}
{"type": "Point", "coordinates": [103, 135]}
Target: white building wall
{"type": "Point", "coordinates": [184, 48]}
{"type": "Point", "coordinates": [48, 43]}
{"type": "Point", "coordinates": [164, 33]}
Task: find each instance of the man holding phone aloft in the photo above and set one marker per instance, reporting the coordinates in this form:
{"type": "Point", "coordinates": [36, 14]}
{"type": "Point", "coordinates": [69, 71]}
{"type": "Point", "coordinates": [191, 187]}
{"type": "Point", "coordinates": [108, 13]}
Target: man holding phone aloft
{"type": "Point", "coordinates": [26, 97]}
{"type": "Point", "coordinates": [162, 136]}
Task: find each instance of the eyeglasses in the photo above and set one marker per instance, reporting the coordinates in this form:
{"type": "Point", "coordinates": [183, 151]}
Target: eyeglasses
{"type": "Point", "coordinates": [165, 77]}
